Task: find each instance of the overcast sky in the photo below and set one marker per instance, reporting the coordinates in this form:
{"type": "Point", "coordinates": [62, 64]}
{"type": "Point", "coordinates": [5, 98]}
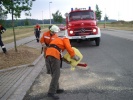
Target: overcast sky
{"type": "Point", "coordinates": [114, 9]}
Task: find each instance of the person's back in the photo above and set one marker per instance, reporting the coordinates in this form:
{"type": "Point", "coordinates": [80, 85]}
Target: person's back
{"type": "Point", "coordinates": [62, 43]}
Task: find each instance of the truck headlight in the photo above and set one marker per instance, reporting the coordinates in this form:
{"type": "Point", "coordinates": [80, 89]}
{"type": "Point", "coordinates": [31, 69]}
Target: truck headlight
{"type": "Point", "coordinates": [94, 30]}
{"type": "Point", "coordinates": [71, 32]}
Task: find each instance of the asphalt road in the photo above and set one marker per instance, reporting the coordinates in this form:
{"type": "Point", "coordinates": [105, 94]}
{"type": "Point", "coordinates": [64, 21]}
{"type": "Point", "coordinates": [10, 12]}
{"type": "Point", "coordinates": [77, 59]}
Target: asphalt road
{"type": "Point", "coordinates": [109, 75]}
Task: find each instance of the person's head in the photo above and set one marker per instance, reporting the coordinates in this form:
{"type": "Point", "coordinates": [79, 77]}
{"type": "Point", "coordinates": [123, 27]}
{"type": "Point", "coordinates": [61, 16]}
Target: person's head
{"type": "Point", "coordinates": [37, 24]}
{"type": "Point", "coordinates": [54, 29]}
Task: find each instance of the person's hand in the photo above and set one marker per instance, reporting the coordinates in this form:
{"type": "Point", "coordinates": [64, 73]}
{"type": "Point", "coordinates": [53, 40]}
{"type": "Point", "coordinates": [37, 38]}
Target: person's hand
{"type": "Point", "coordinates": [43, 45]}
{"type": "Point", "coordinates": [76, 58]}
{"type": "Point", "coordinates": [2, 31]}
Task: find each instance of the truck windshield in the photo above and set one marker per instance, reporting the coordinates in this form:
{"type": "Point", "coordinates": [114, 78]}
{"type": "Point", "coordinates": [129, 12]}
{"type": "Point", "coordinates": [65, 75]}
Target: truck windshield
{"type": "Point", "coordinates": [84, 15]}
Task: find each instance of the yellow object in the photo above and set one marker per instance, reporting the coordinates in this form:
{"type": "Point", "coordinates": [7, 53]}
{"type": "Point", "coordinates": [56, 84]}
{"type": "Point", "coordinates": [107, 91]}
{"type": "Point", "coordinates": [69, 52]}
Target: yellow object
{"type": "Point", "coordinates": [73, 62]}
{"type": "Point", "coordinates": [72, 68]}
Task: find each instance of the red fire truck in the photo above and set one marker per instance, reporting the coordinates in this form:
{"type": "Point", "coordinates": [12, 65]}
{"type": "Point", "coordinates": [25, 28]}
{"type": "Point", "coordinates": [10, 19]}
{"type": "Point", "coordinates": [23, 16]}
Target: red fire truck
{"type": "Point", "coordinates": [81, 24]}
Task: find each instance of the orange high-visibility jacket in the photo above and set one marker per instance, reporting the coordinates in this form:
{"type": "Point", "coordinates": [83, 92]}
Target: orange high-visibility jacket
{"type": "Point", "coordinates": [47, 38]}
{"type": "Point", "coordinates": [37, 28]}
{"type": "Point", "coordinates": [62, 43]}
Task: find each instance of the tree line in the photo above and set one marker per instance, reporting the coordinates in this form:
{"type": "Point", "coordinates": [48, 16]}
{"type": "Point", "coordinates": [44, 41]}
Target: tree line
{"type": "Point", "coordinates": [27, 22]}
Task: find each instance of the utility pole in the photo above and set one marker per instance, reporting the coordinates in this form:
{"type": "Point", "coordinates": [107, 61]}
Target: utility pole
{"type": "Point", "coordinates": [50, 12]}
{"type": "Point", "coordinates": [42, 19]}
{"type": "Point", "coordinates": [105, 19]}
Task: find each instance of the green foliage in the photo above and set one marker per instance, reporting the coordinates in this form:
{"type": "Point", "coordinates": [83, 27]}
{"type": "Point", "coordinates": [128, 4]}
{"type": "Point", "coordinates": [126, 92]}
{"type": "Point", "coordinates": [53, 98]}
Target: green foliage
{"type": "Point", "coordinates": [27, 22]}
{"type": "Point", "coordinates": [98, 13]}
{"type": "Point", "coordinates": [57, 17]}
{"type": "Point", "coordinates": [2, 22]}
{"type": "Point", "coordinates": [2, 15]}
{"type": "Point", "coordinates": [106, 18]}
{"type": "Point", "coordinates": [17, 6]}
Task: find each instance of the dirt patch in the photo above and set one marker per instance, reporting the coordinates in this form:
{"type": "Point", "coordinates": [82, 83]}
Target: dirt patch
{"type": "Point", "coordinates": [24, 55]}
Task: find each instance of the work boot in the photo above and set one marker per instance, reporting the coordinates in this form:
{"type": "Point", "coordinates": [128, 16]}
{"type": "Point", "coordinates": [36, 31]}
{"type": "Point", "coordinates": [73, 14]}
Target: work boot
{"type": "Point", "coordinates": [37, 40]}
{"type": "Point", "coordinates": [59, 91]}
{"type": "Point", "coordinates": [4, 50]}
{"type": "Point", "coordinates": [52, 95]}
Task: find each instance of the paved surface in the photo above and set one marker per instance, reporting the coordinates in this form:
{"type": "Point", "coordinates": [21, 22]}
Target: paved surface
{"type": "Point", "coordinates": [16, 81]}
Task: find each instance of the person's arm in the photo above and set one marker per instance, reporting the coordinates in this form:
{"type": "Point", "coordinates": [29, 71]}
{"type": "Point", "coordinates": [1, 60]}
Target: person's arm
{"type": "Point", "coordinates": [40, 29]}
{"type": "Point", "coordinates": [35, 29]}
{"type": "Point", "coordinates": [3, 29]}
{"type": "Point", "coordinates": [70, 50]}
{"type": "Point", "coordinates": [68, 47]}
{"type": "Point", "coordinates": [42, 39]}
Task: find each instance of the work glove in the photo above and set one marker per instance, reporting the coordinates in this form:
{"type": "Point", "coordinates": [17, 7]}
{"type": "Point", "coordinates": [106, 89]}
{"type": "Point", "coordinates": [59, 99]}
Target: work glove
{"type": "Point", "coordinates": [66, 61]}
{"type": "Point", "coordinates": [76, 58]}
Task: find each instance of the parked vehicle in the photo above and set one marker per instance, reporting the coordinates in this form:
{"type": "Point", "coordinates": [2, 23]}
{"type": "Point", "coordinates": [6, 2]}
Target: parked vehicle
{"type": "Point", "coordinates": [62, 27]}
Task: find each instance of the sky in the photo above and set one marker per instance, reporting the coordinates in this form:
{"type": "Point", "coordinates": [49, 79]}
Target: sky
{"type": "Point", "coordinates": [114, 9]}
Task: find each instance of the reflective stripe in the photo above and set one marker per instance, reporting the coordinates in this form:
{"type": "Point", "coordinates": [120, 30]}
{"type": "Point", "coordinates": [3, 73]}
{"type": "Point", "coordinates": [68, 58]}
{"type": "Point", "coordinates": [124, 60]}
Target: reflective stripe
{"type": "Point", "coordinates": [47, 37]}
{"type": "Point", "coordinates": [3, 47]}
{"type": "Point", "coordinates": [53, 38]}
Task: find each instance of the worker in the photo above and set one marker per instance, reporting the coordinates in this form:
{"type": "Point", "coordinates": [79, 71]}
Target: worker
{"type": "Point", "coordinates": [37, 31]}
{"type": "Point", "coordinates": [2, 29]}
{"type": "Point", "coordinates": [53, 63]}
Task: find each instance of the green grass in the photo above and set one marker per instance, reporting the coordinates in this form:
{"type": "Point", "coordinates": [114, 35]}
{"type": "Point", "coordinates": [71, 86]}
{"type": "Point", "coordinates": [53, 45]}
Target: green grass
{"type": "Point", "coordinates": [20, 32]}
{"type": "Point", "coordinates": [118, 25]}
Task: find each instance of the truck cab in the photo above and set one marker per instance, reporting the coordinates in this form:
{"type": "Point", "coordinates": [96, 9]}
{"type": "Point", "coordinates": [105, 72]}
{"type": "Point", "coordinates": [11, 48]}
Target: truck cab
{"type": "Point", "coordinates": [81, 24]}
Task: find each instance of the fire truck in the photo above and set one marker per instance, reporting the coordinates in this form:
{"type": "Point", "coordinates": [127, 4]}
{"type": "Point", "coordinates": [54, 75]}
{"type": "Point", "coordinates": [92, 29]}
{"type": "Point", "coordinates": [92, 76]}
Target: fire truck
{"type": "Point", "coordinates": [81, 24]}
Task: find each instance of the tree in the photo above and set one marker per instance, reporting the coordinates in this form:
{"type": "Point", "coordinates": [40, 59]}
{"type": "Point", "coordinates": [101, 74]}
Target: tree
{"type": "Point", "coordinates": [57, 17]}
{"type": "Point", "coordinates": [2, 15]}
{"type": "Point", "coordinates": [15, 7]}
{"type": "Point", "coordinates": [106, 18]}
{"type": "Point", "coordinates": [98, 13]}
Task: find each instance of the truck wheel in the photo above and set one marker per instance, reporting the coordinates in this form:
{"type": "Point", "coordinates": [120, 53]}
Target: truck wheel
{"type": "Point", "coordinates": [97, 40]}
